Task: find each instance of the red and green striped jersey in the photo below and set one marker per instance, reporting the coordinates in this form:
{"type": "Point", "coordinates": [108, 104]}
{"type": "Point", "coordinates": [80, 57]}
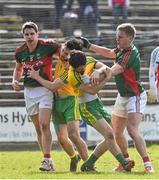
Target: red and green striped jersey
{"type": "Point", "coordinates": [128, 83]}
{"type": "Point", "coordinates": [41, 59]}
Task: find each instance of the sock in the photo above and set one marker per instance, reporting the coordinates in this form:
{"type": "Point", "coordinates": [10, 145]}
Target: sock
{"type": "Point", "coordinates": [120, 157]}
{"type": "Point", "coordinates": [47, 156]}
{"type": "Point", "coordinates": [126, 155]}
{"type": "Point", "coordinates": [73, 157]}
{"type": "Point", "coordinates": [146, 159]}
{"type": "Point", "coordinates": [91, 160]}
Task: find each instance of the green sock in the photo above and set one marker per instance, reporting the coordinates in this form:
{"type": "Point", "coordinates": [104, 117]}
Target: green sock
{"type": "Point", "coordinates": [91, 160]}
{"type": "Point", "coordinates": [74, 157]}
{"type": "Point", "coordinates": [120, 157]}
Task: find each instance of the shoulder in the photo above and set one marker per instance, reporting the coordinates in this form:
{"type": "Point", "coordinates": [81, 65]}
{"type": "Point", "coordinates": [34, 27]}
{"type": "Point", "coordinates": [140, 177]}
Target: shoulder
{"type": "Point", "coordinates": [21, 48]}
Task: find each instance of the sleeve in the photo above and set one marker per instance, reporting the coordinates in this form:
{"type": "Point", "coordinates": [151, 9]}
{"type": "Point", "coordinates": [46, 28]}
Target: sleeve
{"type": "Point", "coordinates": [16, 57]}
{"type": "Point", "coordinates": [64, 77]}
{"type": "Point", "coordinates": [153, 66]}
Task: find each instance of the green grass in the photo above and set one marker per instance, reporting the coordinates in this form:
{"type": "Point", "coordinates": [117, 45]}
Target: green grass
{"type": "Point", "coordinates": [24, 165]}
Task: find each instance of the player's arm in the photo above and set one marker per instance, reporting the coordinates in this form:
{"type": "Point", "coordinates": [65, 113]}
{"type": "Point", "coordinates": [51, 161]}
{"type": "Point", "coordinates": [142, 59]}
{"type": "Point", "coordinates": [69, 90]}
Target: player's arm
{"type": "Point", "coordinates": [52, 86]}
{"type": "Point", "coordinates": [101, 71]}
{"type": "Point", "coordinates": [17, 75]}
{"type": "Point", "coordinates": [117, 69]}
{"type": "Point", "coordinates": [103, 51]}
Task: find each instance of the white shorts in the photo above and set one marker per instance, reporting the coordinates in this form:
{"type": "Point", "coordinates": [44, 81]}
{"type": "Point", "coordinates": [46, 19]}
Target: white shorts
{"type": "Point", "coordinates": [134, 104]}
{"type": "Point", "coordinates": [34, 104]}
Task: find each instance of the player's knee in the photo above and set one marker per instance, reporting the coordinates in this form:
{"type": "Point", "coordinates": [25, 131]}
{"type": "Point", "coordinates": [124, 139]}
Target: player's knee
{"type": "Point", "coordinates": [44, 126]}
{"type": "Point", "coordinates": [74, 136]}
{"type": "Point", "coordinates": [110, 136]}
{"type": "Point", "coordinates": [131, 131]}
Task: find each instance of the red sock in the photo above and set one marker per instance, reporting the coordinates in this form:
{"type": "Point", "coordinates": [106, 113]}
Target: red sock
{"type": "Point", "coordinates": [126, 155]}
{"type": "Point", "coordinates": [146, 159]}
{"type": "Point", "coordinates": [47, 156]}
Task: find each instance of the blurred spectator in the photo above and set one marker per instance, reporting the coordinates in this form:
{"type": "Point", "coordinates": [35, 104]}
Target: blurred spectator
{"type": "Point", "coordinates": [59, 10]}
{"type": "Point", "coordinates": [88, 17]}
{"type": "Point", "coordinates": [119, 10]}
{"type": "Point", "coordinates": [153, 93]}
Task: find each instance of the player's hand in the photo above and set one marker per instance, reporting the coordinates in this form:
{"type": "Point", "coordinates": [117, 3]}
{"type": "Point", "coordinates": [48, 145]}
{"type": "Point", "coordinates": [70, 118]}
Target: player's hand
{"type": "Point", "coordinates": [152, 95]}
{"type": "Point", "coordinates": [33, 74]}
{"type": "Point", "coordinates": [86, 42]}
{"type": "Point", "coordinates": [16, 85]}
{"type": "Point", "coordinates": [95, 77]}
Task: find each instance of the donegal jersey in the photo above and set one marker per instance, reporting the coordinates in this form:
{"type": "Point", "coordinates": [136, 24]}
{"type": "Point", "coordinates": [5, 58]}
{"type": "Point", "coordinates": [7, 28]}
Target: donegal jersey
{"type": "Point", "coordinates": [40, 59]}
{"type": "Point", "coordinates": [154, 68]}
{"type": "Point", "coordinates": [128, 83]}
{"type": "Point", "coordinates": [60, 68]}
{"type": "Point", "coordinates": [75, 79]}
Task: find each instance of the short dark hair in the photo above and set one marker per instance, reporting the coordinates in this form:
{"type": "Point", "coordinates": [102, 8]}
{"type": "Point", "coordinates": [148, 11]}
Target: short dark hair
{"type": "Point", "coordinates": [29, 24]}
{"type": "Point", "coordinates": [77, 58]}
{"type": "Point", "coordinates": [74, 44]}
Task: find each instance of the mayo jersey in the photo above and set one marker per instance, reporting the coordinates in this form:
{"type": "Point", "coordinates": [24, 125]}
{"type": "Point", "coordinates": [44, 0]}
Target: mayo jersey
{"type": "Point", "coordinates": [154, 68]}
{"type": "Point", "coordinates": [40, 59]}
{"type": "Point", "coordinates": [75, 79]}
{"type": "Point", "coordinates": [128, 83]}
{"type": "Point", "coordinates": [61, 68]}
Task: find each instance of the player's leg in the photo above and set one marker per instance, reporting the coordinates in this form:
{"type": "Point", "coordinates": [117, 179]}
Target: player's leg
{"type": "Point", "coordinates": [62, 135]}
{"type": "Point", "coordinates": [35, 120]}
{"type": "Point", "coordinates": [95, 115]}
{"type": "Point", "coordinates": [74, 135]}
{"type": "Point", "coordinates": [134, 120]}
{"type": "Point", "coordinates": [119, 123]}
{"type": "Point", "coordinates": [72, 117]}
{"type": "Point", "coordinates": [45, 112]}
{"type": "Point", "coordinates": [65, 114]}
{"type": "Point", "coordinates": [136, 106]}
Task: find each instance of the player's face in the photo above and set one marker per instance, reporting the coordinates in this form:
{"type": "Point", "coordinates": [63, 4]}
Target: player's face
{"type": "Point", "coordinates": [65, 53]}
{"type": "Point", "coordinates": [80, 69]}
{"type": "Point", "coordinates": [123, 41]}
{"type": "Point", "coordinates": [30, 36]}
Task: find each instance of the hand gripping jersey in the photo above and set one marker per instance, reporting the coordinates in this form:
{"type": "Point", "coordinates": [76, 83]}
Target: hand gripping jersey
{"type": "Point", "coordinates": [40, 58]}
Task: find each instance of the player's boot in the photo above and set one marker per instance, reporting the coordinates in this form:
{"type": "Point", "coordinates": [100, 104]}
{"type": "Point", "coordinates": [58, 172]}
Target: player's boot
{"type": "Point", "coordinates": [47, 165]}
{"type": "Point", "coordinates": [148, 167]}
{"type": "Point", "coordinates": [86, 168]}
{"type": "Point", "coordinates": [128, 165]}
{"type": "Point", "coordinates": [73, 163]}
{"type": "Point", "coordinates": [118, 168]}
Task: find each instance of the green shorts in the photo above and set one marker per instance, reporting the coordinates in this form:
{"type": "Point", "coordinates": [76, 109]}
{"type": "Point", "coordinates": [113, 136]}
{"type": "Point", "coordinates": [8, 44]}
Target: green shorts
{"type": "Point", "coordinates": [66, 109]}
{"type": "Point", "coordinates": [93, 111]}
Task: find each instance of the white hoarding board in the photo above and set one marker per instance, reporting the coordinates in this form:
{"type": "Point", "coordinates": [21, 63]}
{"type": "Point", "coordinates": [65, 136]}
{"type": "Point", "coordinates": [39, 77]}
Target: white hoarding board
{"type": "Point", "coordinates": [15, 125]}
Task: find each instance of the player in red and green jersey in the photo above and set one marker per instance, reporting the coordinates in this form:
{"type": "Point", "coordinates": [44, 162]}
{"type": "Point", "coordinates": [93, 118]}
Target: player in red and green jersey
{"type": "Point", "coordinates": [91, 108]}
{"type": "Point", "coordinates": [131, 99]}
{"type": "Point", "coordinates": [38, 54]}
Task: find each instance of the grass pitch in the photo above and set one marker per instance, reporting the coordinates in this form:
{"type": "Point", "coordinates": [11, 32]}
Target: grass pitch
{"type": "Point", "coordinates": [25, 165]}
